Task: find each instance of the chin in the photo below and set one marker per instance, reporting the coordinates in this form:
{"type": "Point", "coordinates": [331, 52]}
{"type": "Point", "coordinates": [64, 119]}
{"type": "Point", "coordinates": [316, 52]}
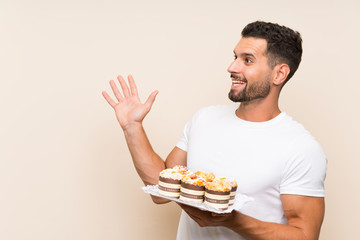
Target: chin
{"type": "Point", "coordinates": [235, 97]}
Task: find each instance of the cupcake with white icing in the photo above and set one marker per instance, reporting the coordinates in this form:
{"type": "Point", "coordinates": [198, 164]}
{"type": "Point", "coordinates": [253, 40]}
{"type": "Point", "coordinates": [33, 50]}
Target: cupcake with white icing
{"type": "Point", "coordinates": [208, 177]}
{"type": "Point", "coordinates": [192, 188]}
{"type": "Point", "coordinates": [217, 193]}
{"type": "Point", "coordinates": [170, 181]}
{"type": "Point", "coordinates": [234, 185]}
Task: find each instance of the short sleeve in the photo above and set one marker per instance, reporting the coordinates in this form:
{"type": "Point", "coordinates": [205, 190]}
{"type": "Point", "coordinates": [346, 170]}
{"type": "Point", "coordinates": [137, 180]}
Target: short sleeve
{"type": "Point", "coordinates": [183, 142]}
{"type": "Point", "coordinates": [305, 171]}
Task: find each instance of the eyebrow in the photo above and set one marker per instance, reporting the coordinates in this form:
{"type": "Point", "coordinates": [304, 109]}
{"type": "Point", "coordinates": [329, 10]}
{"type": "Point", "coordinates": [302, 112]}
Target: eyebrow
{"type": "Point", "coordinates": [245, 55]}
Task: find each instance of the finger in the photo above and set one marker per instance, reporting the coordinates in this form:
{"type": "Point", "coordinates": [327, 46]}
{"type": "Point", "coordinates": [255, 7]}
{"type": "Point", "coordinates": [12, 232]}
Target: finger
{"type": "Point", "coordinates": [194, 211]}
{"type": "Point", "coordinates": [194, 217]}
{"type": "Point", "coordinates": [116, 91]}
{"type": "Point", "coordinates": [219, 215]}
{"type": "Point", "coordinates": [199, 219]}
{"type": "Point", "coordinates": [109, 99]}
{"type": "Point", "coordinates": [133, 87]}
{"type": "Point", "coordinates": [189, 212]}
{"type": "Point", "coordinates": [222, 217]}
{"type": "Point", "coordinates": [149, 102]}
{"type": "Point", "coordinates": [215, 214]}
{"type": "Point", "coordinates": [124, 86]}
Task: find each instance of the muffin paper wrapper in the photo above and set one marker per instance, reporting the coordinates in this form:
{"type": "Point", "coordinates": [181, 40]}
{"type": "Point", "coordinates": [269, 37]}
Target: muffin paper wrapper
{"type": "Point", "coordinates": [240, 200]}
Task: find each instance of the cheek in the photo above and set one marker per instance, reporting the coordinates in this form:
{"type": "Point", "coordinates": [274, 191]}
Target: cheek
{"type": "Point", "coordinates": [256, 74]}
{"type": "Point", "coordinates": [252, 74]}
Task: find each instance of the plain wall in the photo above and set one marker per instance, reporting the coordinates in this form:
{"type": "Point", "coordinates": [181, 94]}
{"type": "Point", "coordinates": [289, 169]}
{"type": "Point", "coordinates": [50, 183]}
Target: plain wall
{"type": "Point", "coordinates": [65, 171]}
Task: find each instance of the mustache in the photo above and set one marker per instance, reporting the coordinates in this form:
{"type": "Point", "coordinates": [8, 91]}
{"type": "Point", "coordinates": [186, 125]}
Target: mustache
{"type": "Point", "coordinates": [238, 77]}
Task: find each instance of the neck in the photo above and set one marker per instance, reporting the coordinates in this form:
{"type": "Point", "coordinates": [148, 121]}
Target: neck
{"type": "Point", "coordinates": [259, 110]}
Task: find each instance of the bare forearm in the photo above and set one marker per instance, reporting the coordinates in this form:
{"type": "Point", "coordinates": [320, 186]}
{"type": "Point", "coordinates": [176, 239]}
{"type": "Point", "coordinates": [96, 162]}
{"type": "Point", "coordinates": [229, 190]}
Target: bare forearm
{"type": "Point", "coordinates": [148, 164]}
{"type": "Point", "coordinates": [254, 229]}
{"type": "Point", "coordinates": [130, 113]}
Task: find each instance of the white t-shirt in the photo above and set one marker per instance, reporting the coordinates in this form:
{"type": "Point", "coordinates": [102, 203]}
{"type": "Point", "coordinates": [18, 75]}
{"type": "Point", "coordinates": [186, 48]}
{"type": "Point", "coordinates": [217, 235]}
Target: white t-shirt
{"type": "Point", "coordinates": [265, 158]}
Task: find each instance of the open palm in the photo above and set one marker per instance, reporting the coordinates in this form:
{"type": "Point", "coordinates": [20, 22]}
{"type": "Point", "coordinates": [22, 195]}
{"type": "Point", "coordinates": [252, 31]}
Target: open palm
{"type": "Point", "coordinates": [129, 110]}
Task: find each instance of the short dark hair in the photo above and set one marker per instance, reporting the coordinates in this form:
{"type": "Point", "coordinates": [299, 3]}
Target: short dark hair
{"type": "Point", "coordinates": [283, 43]}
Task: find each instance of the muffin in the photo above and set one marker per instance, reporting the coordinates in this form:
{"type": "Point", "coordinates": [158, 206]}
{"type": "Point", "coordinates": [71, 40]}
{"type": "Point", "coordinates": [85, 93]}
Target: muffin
{"type": "Point", "coordinates": [192, 188]}
{"type": "Point", "coordinates": [170, 181]}
{"type": "Point", "coordinates": [233, 184]}
{"type": "Point", "coordinates": [181, 169]}
{"type": "Point", "coordinates": [208, 177]}
{"type": "Point", "coordinates": [217, 193]}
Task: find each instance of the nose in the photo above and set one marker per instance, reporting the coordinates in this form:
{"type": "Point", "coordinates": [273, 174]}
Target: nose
{"type": "Point", "coordinates": [235, 66]}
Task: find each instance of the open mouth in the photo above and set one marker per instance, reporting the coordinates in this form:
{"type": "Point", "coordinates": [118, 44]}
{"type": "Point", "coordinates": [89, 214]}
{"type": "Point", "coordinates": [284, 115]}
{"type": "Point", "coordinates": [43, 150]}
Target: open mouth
{"type": "Point", "coordinates": [238, 80]}
{"type": "Point", "coordinates": [234, 82]}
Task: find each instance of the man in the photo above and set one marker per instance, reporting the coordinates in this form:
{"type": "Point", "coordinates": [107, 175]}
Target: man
{"type": "Point", "coordinates": [272, 157]}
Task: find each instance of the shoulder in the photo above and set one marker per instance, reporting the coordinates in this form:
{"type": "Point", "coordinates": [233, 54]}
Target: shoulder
{"type": "Point", "coordinates": [294, 131]}
{"type": "Point", "coordinates": [303, 145]}
{"type": "Point", "coordinates": [304, 169]}
{"type": "Point", "coordinates": [297, 140]}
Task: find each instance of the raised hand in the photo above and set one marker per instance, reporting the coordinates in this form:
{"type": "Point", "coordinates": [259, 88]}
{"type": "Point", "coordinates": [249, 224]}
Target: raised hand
{"type": "Point", "coordinates": [129, 110]}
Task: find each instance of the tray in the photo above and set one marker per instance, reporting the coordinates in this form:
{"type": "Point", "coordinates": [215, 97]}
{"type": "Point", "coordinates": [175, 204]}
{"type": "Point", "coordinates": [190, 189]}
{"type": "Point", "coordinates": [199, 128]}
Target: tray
{"type": "Point", "coordinates": [240, 200]}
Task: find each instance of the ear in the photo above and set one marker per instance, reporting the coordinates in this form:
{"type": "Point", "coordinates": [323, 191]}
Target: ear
{"type": "Point", "coordinates": [281, 73]}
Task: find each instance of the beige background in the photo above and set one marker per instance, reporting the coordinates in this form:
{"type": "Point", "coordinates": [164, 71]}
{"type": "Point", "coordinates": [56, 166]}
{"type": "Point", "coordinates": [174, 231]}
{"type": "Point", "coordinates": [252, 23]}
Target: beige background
{"type": "Point", "coordinates": [65, 171]}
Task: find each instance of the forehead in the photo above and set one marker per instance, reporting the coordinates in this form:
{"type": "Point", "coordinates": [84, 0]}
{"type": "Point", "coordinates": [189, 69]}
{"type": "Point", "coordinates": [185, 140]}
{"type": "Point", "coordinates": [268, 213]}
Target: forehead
{"type": "Point", "coordinates": [251, 45]}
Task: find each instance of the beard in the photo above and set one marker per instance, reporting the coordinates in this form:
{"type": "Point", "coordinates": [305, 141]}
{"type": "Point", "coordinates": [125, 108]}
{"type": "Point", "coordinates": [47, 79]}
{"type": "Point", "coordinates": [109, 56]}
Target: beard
{"type": "Point", "coordinates": [251, 92]}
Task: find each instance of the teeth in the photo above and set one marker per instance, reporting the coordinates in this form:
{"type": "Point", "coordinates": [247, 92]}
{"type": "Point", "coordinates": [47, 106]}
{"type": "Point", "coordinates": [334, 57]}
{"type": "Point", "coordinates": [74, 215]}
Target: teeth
{"type": "Point", "coordinates": [238, 82]}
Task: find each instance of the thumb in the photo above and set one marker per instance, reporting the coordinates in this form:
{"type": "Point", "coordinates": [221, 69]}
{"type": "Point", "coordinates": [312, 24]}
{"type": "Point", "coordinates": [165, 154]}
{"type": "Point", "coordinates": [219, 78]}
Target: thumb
{"type": "Point", "coordinates": [149, 102]}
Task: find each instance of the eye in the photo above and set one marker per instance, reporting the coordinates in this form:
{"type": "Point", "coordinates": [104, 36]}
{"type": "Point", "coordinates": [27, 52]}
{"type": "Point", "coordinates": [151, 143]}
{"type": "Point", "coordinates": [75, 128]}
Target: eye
{"type": "Point", "coordinates": [248, 60]}
{"type": "Point", "coordinates": [235, 57]}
